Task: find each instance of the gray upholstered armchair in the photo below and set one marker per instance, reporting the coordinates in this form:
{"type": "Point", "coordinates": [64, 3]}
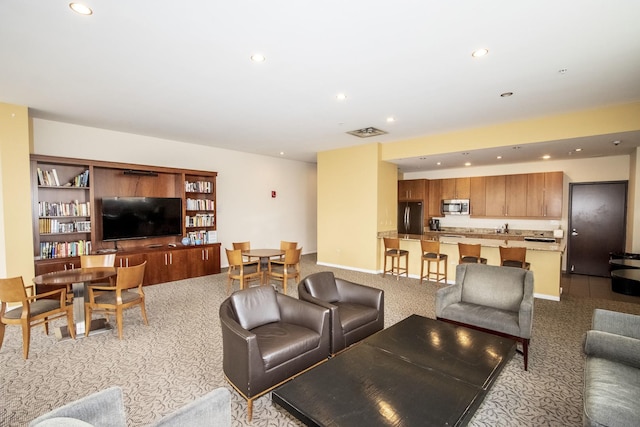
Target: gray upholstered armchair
{"type": "Point", "coordinates": [268, 337]}
{"type": "Point", "coordinates": [490, 298]}
{"type": "Point", "coordinates": [357, 311]}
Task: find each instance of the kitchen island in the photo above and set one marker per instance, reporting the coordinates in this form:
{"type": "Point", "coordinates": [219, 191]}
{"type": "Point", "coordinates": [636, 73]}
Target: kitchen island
{"type": "Point", "coordinates": [545, 258]}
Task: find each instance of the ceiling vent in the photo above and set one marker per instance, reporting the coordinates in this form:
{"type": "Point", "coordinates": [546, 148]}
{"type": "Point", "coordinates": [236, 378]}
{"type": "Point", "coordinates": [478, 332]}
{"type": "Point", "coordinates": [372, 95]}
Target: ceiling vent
{"type": "Point", "coordinates": [367, 132]}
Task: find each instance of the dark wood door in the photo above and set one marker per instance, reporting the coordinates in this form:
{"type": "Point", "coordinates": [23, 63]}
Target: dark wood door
{"type": "Point", "coordinates": [597, 225]}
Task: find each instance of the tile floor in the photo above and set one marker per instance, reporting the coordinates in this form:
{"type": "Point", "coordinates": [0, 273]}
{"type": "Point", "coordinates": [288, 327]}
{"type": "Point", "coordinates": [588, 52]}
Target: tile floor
{"type": "Point", "coordinates": [592, 287]}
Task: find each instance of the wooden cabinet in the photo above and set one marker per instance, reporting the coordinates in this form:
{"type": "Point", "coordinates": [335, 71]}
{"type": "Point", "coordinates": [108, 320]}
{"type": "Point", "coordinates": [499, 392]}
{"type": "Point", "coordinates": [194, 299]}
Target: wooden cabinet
{"type": "Point", "coordinates": [477, 196]}
{"type": "Point", "coordinates": [435, 198]}
{"type": "Point", "coordinates": [411, 190]}
{"type": "Point", "coordinates": [204, 260]}
{"type": "Point", "coordinates": [455, 188]}
{"type": "Point", "coordinates": [67, 197]}
{"type": "Point", "coordinates": [166, 266]}
{"type": "Point", "coordinates": [495, 196]}
{"type": "Point", "coordinates": [506, 196]}
{"type": "Point", "coordinates": [516, 196]}
{"type": "Point", "coordinates": [544, 195]}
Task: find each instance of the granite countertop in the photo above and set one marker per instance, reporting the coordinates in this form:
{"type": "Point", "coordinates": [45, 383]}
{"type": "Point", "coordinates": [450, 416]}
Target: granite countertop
{"type": "Point", "coordinates": [488, 239]}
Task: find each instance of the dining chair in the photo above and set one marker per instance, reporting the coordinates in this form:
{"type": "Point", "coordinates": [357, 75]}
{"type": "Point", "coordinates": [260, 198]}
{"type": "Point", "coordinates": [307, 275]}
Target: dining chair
{"type": "Point", "coordinates": [392, 249]}
{"type": "Point", "coordinates": [514, 256]}
{"type": "Point", "coordinates": [243, 246]}
{"type": "Point", "coordinates": [99, 260]}
{"type": "Point", "coordinates": [243, 271]}
{"type": "Point", "coordinates": [34, 310]}
{"type": "Point", "coordinates": [431, 254]}
{"type": "Point", "coordinates": [284, 245]}
{"type": "Point", "coordinates": [470, 254]}
{"type": "Point", "coordinates": [288, 268]}
{"type": "Point", "coordinates": [127, 293]}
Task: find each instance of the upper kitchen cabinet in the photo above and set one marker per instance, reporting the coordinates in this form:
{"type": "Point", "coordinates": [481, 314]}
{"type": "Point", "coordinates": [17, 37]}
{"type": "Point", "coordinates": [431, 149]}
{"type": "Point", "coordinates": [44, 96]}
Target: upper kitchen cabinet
{"type": "Point", "coordinates": [456, 188]}
{"type": "Point", "coordinates": [506, 196]}
{"type": "Point", "coordinates": [544, 195]}
{"type": "Point", "coordinates": [412, 189]}
{"type": "Point", "coordinates": [435, 190]}
{"type": "Point", "coordinates": [478, 196]}
{"type": "Point", "coordinates": [516, 195]}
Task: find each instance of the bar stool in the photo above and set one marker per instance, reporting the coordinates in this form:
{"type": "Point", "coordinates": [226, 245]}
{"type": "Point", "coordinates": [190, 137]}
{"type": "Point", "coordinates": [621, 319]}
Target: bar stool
{"type": "Point", "coordinates": [392, 249]}
{"type": "Point", "coordinates": [470, 254]}
{"type": "Point", "coordinates": [514, 257]}
{"type": "Point", "coordinates": [431, 253]}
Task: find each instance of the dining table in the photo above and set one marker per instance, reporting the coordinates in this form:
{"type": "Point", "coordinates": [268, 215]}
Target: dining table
{"type": "Point", "coordinates": [264, 255]}
{"type": "Point", "coordinates": [78, 279]}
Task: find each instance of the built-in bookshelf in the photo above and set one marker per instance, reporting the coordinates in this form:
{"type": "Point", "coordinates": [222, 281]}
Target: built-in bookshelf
{"type": "Point", "coordinates": [62, 207]}
{"type": "Point", "coordinates": [200, 207]}
{"type": "Point", "coordinates": [67, 198]}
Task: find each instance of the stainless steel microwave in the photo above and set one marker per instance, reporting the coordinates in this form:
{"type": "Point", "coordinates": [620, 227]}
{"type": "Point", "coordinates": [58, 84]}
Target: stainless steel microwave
{"type": "Point", "coordinates": [455, 207]}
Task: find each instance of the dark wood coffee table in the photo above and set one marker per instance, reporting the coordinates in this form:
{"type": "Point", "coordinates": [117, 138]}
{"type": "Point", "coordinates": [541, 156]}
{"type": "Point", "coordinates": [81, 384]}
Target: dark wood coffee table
{"type": "Point", "coordinates": [419, 371]}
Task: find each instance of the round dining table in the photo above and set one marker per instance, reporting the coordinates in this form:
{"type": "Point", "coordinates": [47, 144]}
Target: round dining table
{"type": "Point", "coordinates": [78, 279]}
{"type": "Point", "coordinates": [264, 255]}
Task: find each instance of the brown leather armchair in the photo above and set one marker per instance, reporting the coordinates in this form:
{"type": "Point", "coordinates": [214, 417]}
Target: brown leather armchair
{"type": "Point", "coordinates": [357, 311]}
{"type": "Point", "coordinates": [268, 337]}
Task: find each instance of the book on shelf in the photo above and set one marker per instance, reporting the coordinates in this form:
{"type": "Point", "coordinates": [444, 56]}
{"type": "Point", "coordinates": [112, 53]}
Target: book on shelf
{"type": "Point", "coordinates": [50, 250]}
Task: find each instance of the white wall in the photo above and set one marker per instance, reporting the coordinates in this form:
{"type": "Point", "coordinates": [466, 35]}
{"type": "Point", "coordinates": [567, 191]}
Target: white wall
{"type": "Point", "coordinates": [246, 210]}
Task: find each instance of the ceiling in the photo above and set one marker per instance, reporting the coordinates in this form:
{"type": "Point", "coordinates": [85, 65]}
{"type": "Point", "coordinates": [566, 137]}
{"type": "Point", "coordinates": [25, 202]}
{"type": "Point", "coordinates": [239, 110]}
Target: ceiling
{"type": "Point", "coordinates": [182, 71]}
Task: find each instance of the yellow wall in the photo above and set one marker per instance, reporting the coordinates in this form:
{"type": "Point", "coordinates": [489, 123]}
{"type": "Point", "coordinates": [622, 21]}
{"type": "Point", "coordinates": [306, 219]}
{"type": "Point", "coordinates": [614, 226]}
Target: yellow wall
{"type": "Point", "coordinates": [621, 118]}
{"type": "Point", "coordinates": [16, 233]}
{"type": "Point", "coordinates": [348, 207]}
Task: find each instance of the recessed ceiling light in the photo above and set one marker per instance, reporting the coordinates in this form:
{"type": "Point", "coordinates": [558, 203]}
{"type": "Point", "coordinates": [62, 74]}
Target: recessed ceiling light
{"type": "Point", "coordinates": [546, 157]}
{"type": "Point", "coordinates": [480, 52]}
{"type": "Point", "coordinates": [467, 164]}
{"type": "Point", "coordinates": [341, 97]}
{"type": "Point", "coordinates": [438, 163]}
{"type": "Point", "coordinates": [282, 153]}
{"type": "Point", "coordinates": [391, 119]}
{"type": "Point", "coordinates": [506, 94]}
{"type": "Point", "coordinates": [80, 8]}
{"type": "Point", "coordinates": [499, 157]}
{"type": "Point", "coordinates": [616, 142]}
{"type": "Point", "coordinates": [578, 149]}
{"type": "Point", "coordinates": [258, 57]}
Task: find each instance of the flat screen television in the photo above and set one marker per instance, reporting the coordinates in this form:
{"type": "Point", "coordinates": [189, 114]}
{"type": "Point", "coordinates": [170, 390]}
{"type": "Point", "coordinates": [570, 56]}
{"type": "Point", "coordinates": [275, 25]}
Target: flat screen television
{"type": "Point", "coordinates": [141, 217]}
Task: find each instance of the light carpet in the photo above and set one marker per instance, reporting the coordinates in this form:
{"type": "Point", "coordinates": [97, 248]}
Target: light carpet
{"type": "Point", "coordinates": [178, 357]}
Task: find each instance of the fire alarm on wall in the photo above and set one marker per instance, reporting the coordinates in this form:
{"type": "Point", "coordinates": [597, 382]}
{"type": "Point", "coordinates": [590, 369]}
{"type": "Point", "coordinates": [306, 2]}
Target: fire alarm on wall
{"type": "Point", "coordinates": [273, 194]}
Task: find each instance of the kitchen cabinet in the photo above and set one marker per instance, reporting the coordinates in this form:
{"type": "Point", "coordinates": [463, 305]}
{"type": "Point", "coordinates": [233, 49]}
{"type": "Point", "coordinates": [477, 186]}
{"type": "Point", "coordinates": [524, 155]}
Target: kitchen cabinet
{"type": "Point", "coordinates": [506, 196]}
{"type": "Point", "coordinates": [516, 195]}
{"type": "Point", "coordinates": [478, 196]}
{"type": "Point", "coordinates": [495, 196]}
{"type": "Point", "coordinates": [455, 188]}
{"type": "Point", "coordinates": [544, 194]}
{"type": "Point", "coordinates": [434, 202]}
{"type": "Point", "coordinates": [411, 190]}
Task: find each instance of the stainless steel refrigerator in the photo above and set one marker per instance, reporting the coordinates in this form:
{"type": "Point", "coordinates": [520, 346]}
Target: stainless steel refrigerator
{"type": "Point", "coordinates": [410, 217]}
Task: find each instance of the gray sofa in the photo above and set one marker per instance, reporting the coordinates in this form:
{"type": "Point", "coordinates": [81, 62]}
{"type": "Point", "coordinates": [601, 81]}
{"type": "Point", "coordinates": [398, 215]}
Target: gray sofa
{"type": "Point", "coordinates": [490, 298]}
{"type": "Point", "coordinates": [612, 370]}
